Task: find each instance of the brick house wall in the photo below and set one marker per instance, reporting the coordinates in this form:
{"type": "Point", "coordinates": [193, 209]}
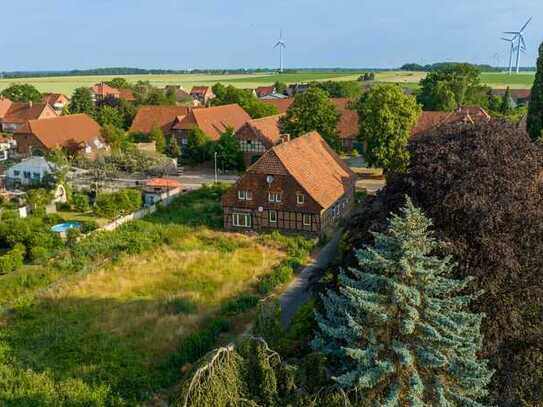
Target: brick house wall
{"type": "Point", "coordinates": [288, 215]}
{"type": "Point", "coordinates": [251, 145]}
{"type": "Point", "coordinates": [28, 144]}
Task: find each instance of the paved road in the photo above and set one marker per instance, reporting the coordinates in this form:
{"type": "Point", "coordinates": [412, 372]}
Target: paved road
{"type": "Point", "coordinates": [297, 293]}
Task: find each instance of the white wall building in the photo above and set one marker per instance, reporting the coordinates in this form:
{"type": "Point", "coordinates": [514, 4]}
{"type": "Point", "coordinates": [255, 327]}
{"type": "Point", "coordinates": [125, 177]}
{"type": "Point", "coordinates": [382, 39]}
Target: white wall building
{"type": "Point", "coordinates": [29, 171]}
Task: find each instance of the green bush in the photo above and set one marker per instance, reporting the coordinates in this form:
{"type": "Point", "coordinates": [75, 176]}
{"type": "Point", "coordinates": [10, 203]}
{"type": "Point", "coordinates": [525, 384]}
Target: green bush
{"type": "Point", "coordinates": [12, 260]}
{"type": "Point", "coordinates": [88, 226]}
{"type": "Point", "coordinates": [280, 275]}
{"type": "Point", "coordinates": [39, 254]}
{"type": "Point", "coordinates": [115, 204]}
{"type": "Point", "coordinates": [238, 305]}
{"type": "Point", "coordinates": [80, 202]}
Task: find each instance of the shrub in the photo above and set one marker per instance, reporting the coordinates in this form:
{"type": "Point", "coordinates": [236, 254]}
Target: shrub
{"type": "Point", "coordinates": [80, 202]}
{"type": "Point", "coordinates": [238, 305]}
{"type": "Point", "coordinates": [39, 254]}
{"type": "Point", "coordinates": [115, 204]}
{"type": "Point", "coordinates": [12, 260]}
{"type": "Point", "coordinates": [280, 275]}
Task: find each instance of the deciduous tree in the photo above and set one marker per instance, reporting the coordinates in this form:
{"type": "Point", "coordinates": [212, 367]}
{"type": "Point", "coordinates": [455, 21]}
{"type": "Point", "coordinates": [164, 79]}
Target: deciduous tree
{"type": "Point", "coordinates": [312, 111]}
{"type": "Point", "coordinates": [81, 101]}
{"type": "Point", "coordinates": [450, 86]}
{"type": "Point", "coordinates": [22, 92]}
{"type": "Point", "coordinates": [387, 117]}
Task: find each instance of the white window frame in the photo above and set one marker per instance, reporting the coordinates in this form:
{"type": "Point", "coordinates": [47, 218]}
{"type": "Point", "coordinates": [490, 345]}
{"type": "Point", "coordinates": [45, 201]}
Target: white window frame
{"type": "Point", "coordinates": [300, 198]}
{"type": "Point", "coordinates": [236, 217]}
{"type": "Point", "coordinates": [245, 195]}
{"type": "Point", "coordinates": [274, 197]}
{"type": "Point", "coordinates": [308, 222]}
{"type": "Point", "coordinates": [272, 219]}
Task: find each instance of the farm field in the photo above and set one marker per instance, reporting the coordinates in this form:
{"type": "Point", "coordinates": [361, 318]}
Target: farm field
{"type": "Point", "coordinates": [493, 79]}
{"type": "Point", "coordinates": [115, 334]}
{"type": "Point", "coordinates": [66, 84]}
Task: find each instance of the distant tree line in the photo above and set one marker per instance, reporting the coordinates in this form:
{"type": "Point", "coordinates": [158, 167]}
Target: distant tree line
{"type": "Point", "coordinates": [441, 65]}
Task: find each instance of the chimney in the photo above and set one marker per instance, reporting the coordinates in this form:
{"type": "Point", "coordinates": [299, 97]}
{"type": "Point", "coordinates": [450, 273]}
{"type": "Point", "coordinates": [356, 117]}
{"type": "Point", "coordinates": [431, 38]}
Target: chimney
{"type": "Point", "coordinates": [284, 138]}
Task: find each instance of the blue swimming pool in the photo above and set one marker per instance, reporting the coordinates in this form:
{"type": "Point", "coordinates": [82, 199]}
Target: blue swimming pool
{"type": "Point", "coordinates": [63, 227]}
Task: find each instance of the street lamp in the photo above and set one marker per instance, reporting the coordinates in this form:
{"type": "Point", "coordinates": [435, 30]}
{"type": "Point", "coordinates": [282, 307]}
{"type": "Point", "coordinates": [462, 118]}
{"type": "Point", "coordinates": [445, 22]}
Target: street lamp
{"type": "Point", "coordinates": [215, 157]}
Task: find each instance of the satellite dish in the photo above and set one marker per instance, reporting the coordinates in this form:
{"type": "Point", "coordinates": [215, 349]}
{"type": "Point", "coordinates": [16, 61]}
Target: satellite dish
{"type": "Point", "coordinates": [260, 209]}
{"type": "Point", "coordinates": [269, 179]}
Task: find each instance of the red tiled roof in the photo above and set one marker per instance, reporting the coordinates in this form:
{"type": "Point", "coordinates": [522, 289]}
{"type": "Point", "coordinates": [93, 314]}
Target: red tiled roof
{"type": "Point", "coordinates": [127, 95]}
{"type": "Point", "coordinates": [163, 117]}
{"type": "Point", "coordinates": [348, 120]}
{"type": "Point", "coordinates": [312, 163]}
{"type": "Point", "coordinates": [101, 89]}
{"type": "Point", "coordinates": [62, 131]}
{"type": "Point", "coordinates": [20, 112]}
{"type": "Point", "coordinates": [282, 105]}
{"type": "Point", "coordinates": [162, 183]}
{"type": "Point", "coordinates": [213, 121]}
{"type": "Point", "coordinates": [515, 93]}
{"type": "Point", "coordinates": [267, 128]}
{"type": "Point", "coordinates": [476, 112]}
{"type": "Point", "coordinates": [52, 98]}
{"type": "Point", "coordinates": [430, 120]}
{"type": "Point", "coordinates": [5, 104]}
{"type": "Point", "coordinates": [199, 90]}
{"type": "Point", "coordinates": [264, 91]}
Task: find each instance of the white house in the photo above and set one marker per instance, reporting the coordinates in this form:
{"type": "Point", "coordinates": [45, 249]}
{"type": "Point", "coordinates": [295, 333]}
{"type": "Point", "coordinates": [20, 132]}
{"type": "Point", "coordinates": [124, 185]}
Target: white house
{"type": "Point", "coordinates": [6, 144]}
{"type": "Point", "coordinates": [30, 171]}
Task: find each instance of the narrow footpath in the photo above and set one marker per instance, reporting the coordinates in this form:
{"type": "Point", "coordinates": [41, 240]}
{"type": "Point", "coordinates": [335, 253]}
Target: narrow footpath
{"type": "Point", "coordinates": [297, 293]}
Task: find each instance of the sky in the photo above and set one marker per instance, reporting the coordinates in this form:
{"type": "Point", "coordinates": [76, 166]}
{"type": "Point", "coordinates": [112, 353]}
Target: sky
{"type": "Point", "coordinates": [180, 34]}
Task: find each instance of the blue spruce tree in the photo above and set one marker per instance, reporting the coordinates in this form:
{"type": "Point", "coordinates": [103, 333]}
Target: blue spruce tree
{"type": "Point", "coordinates": [398, 329]}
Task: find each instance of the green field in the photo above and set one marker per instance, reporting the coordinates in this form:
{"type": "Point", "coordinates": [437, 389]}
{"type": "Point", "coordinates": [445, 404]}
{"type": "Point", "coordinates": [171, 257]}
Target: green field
{"type": "Point", "coordinates": [66, 84]}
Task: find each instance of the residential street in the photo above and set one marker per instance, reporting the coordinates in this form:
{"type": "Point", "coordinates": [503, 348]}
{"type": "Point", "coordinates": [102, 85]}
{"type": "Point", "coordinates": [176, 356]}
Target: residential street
{"type": "Point", "coordinates": [297, 292]}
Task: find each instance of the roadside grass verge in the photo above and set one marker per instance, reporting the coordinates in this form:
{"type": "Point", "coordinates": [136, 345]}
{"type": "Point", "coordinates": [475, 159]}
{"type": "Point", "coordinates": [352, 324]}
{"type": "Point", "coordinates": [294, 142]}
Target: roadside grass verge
{"type": "Point", "coordinates": [118, 316]}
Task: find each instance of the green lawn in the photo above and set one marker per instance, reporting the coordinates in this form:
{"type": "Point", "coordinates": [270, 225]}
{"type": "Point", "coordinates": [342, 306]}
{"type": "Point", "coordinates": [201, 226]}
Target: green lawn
{"type": "Point", "coordinates": [112, 333]}
{"type": "Point", "coordinates": [495, 80]}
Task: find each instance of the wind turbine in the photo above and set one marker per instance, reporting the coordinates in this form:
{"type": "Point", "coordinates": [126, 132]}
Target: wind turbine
{"type": "Point", "coordinates": [511, 41]}
{"type": "Point", "coordinates": [519, 38]}
{"type": "Point", "coordinates": [281, 44]}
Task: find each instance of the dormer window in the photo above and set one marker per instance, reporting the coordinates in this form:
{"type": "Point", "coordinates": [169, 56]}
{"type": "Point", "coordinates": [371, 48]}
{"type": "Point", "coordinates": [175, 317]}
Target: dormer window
{"type": "Point", "coordinates": [245, 195]}
{"type": "Point", "coordinates": [274, 197]}
{"type": "Point", "coordinates": [300, 199]}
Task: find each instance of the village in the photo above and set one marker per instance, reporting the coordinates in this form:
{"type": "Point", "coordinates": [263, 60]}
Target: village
{"type": "Point", "coordinates": [149, 234]}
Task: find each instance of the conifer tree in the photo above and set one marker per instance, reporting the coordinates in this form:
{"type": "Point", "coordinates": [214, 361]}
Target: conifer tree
{"type": "Point", "coordinates": [535, 107]}
{"type": "Point", "coordinates": [506, 105]}
{"type": "Point", "coordinates": [398, 329]}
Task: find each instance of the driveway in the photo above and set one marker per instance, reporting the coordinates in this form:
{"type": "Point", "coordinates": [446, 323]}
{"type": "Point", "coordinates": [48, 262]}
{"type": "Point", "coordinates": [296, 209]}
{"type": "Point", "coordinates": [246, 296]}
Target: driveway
{"type": "Point", "coordinates": [297, 293]}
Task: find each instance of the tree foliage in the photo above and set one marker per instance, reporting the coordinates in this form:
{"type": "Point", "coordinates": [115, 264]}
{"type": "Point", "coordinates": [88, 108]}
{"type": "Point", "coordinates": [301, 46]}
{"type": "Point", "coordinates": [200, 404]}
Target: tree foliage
{"type": "Point", "coordinates": [118, 83]}
{"type": "Point", "coordinates": [22, 92]}
{"type": "Point", "coordinates": [81, 102]}
{"type": "Point", "coordinates": [252, 105]}
{"type": "Point", "coordinates": [481, 186]}
{"type": "Point", "coordinates": [386, 118]}
{"type": "Point", "coordinates": [229, 152]}
{"type": "Point", "coordinates": [535, 107]}
{"type": "Point", "coordinates": [199, 146]}
{"type": "Point", "coordinates": [337, 89]}
{"type": "Point", "coordinates": [399, 328]}
{"type": "Point", "coordinates": [114, 136]}
{"type": "Point", "coordinates": [107, 115]}
{"type": "Point", "coordinates": [312, 111]}
{"type": "Point", "coordinates": [451, 86]}
{"type": "Point", "coordinates": [157, 136]}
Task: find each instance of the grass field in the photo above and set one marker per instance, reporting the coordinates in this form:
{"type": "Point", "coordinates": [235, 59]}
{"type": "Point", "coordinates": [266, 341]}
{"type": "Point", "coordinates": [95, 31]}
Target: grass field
{"type": "Point", "coordinates": [116, 334]}
{"type": "Point", "coordinates": [66, 84]}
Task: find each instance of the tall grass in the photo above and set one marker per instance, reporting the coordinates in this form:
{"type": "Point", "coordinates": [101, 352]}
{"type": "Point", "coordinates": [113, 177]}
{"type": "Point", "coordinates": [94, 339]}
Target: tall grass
{"type": "Point", "coordinates": [115, 317]}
